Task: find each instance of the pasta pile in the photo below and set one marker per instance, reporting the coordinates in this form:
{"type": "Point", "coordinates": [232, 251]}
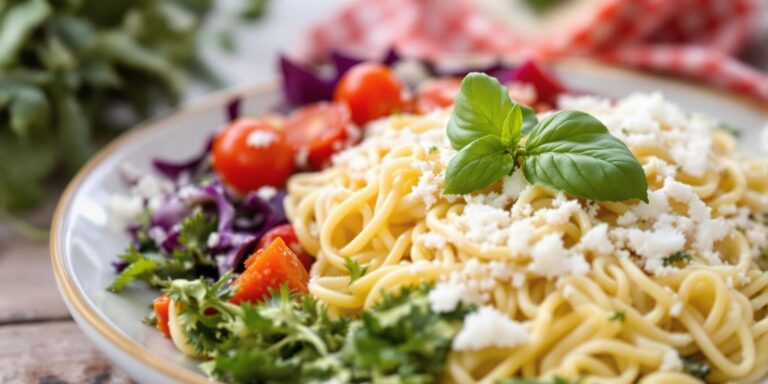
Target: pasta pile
{"type": "Point", "coordinates": [611, 292]}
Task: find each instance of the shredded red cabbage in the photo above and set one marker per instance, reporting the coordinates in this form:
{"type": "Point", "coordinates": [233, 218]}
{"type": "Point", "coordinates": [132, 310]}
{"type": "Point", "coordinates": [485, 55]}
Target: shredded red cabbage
{"type": "Point", "coordinates": [303, 85]}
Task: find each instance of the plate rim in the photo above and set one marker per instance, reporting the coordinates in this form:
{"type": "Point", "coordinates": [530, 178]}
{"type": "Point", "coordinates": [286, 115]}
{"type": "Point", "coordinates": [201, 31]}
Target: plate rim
{"type": "Point", "coordinates": [94, 319]}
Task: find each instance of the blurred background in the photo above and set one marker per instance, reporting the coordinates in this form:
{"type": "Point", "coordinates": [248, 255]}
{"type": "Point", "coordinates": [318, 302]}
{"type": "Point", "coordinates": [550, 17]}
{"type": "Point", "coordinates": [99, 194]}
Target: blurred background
{"type": "Point", "coordinates": [76, 73]}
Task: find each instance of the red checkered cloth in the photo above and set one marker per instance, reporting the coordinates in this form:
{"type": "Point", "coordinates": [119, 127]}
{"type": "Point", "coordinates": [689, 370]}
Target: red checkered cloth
{"type": "Point", "coordinates": [690, 38]}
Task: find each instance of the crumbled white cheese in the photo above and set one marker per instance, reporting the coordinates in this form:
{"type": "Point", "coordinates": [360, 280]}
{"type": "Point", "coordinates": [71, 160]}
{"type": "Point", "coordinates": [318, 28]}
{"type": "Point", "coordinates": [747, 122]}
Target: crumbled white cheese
{"type": "Point", "coordinates": [124, 210]}
{"type": "Point", "coordinates": [654, 246]}
{"type": "Point", "coordinates": [261, 139]}
{"type": "Point", "coordinates": [551, 259]}
{"type": "Point", "coordinates": [597, 240]}
{"type": "Point", "coordinates": [444, 297]}
{"type": "Point", "coordinates": [266, 192]}
{"type": "Point", "coordinates": [676, 309]}
{"type": "Point", "coordinates": [568, 291]}
{"type": "Point", "coordinates": [671, 362]}
{"type": "Point", "coordinates": [433, 240]}
{"type": "Point", "coordinates": [301, 157]}
{"type": "Point", "coordinates": [157, 234]}
{"type": "Point", "coordinates": [489, 328]}
{"type": "Point", "coordinates": [213, 239]}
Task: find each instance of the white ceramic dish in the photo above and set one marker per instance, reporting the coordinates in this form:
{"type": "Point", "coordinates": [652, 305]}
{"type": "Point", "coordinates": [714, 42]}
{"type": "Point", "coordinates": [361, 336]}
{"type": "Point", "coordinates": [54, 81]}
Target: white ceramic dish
{"type": "Point", "coordinates": [83, 245]}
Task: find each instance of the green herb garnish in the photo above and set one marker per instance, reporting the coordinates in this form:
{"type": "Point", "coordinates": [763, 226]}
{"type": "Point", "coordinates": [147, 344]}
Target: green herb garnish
{"type": "Point", "coordinates": [697, 369]}
{"type": "Point", "coordinates": [569, 151]}
{"type": "Point", "coordinates": [188, 261]}
{"type": "Point", "coordinates": [619, 316]}
{"type": "Point", "coordinates": [677, 259]}
{"type": "Point", "coordinates": [354, 268]}
{"type": "Point", "coordinates": [290, 338]}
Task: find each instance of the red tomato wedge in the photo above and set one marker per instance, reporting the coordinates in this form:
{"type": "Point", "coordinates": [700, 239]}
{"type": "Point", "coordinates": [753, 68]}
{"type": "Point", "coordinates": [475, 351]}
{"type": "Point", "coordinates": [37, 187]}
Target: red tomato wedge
{"type": "Point", "coordinates": [251, 153]}
{"type": "Point", "coordinates": [371, 91]}
{"type": "Point", "coordinates": [437, 94]}
{"type": "Point", "coordinates": [319, 130]}
{"type": "Point", "coordinates": [288, 235]}
{"type": "Point", "coordinates": [267, 269]}
{"type": "Point", "coordinates": [160, 305]}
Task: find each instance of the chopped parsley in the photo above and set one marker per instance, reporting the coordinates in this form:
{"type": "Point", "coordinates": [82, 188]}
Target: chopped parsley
{"type": "Point", "coordinates": [619, 316]}
{"type": "Point", "coordinates": [697, 369]}
{"type": "Point", "coordinates": [677, 259]}
{"type": "Point", "coordinates": [354, 268]}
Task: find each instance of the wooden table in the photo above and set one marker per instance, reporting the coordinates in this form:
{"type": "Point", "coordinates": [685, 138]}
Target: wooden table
{"type": "Point", "coordinates": [39, 342]}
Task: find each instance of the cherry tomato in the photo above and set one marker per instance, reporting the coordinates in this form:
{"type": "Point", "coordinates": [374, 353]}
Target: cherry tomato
{"type": "Point", "coordinates": [288, 235]}
{"type": "Point", "coordinates": [250, 154]}
{"type": "Point", "coordinates": [371, 91]}
{"type": "Point", "coordinates": [318, 131]}
{"type": "Point", "coordinates": [436, 94]}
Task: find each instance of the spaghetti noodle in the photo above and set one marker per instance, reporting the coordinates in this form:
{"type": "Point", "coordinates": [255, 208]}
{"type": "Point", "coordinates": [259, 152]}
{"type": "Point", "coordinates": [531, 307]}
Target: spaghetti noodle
{"type": "Point", "coordinates": [612, 292]}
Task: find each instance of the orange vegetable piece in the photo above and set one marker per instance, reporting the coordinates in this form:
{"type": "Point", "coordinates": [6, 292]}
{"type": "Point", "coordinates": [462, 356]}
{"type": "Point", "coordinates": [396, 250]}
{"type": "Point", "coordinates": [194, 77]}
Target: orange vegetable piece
{"type": "Point", "coordinates": [160, 304]}
{"type": "Point", "coordinates": [269, 269]}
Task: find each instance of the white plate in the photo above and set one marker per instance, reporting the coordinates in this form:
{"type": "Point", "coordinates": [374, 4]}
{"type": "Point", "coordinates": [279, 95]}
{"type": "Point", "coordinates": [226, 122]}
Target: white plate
{"type": "Point", "coordinates": [83, 245]}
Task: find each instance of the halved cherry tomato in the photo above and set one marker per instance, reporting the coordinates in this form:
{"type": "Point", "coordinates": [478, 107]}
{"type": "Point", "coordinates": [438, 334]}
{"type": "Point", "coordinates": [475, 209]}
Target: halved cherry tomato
{"type": "Point", "coordinates": [320, 129]}
{"type": "Point", "coordinates": [268, 269]}
{"type": "Point", "coordinates": [288, 235]}
{"type": "Point", "coordinates": [250, 154]}
{"type": "Point", "coordinates": [160, 305]}
{"type": "Point", "coordinates": [437, 93]}
{"type": "Point", "coordinates": [371, 91]}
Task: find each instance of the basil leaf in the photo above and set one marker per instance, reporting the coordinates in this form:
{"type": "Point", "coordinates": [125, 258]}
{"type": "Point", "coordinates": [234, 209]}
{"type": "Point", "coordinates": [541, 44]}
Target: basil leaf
{"type": "Point", "coordinates": [478, 165]}
{"type": "Point", "coordinates": [478, 110]}
{"type": "Point", "coordinates": [529, 120]}
{"type": "Point", "coordinates": [510, 129]}
{"type": "Point", "coordinates": [573, 152]}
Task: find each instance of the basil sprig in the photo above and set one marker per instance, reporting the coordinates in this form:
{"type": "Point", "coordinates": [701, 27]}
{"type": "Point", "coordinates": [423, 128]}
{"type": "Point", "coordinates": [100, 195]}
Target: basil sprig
{"type": "Point", "coordinates": [569, 151]}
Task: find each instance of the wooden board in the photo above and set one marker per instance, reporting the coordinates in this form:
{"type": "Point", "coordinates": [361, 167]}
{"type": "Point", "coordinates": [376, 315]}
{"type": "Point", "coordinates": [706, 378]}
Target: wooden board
{"type": "Point", "coordinates": [54, 352]}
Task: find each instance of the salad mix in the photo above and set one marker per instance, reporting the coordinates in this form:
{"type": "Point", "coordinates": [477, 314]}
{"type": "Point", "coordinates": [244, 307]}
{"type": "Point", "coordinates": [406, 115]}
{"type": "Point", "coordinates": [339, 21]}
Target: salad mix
{"type": "Point", "coordinates": [212, 234]}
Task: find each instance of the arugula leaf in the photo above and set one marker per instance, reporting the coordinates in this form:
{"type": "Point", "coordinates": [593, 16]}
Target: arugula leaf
{"type": "Point", "coordinates": [677, 258]}
{"type": "Point", "coordinates": [697, 369]}
{"type": "Point", "coordinates": [134, 271]}
{"type": "Point", "coordinates": [479, 109]}
{"type": "Point", "coordinates": [355, 270]}
{"type": "Point", "coordinates": [478, 165]}
{"type": "Point", "coordinates": [573, 152]}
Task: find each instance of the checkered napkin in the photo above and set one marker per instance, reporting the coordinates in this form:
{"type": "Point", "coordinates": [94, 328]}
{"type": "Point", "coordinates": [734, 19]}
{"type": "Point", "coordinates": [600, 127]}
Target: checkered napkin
{"type": "Point", "coordinates": [696, 39]}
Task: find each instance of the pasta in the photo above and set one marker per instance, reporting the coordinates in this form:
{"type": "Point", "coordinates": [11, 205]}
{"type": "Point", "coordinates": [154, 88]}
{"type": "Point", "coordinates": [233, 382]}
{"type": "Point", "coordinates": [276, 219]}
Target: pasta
{"type": "Point", "coordinates": [612, 292]}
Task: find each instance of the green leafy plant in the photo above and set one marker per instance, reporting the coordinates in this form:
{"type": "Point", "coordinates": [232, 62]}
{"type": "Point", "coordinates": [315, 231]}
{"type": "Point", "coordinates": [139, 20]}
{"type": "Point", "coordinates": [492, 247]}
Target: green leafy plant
{"type": "Point", "coordinates": [74, 73]}
{"type": "Point", "coordinates": [569, 151]}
